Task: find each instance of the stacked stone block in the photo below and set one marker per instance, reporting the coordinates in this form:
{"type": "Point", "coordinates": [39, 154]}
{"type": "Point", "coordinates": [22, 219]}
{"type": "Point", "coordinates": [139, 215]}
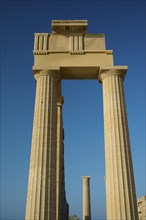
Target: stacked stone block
{"type": "Point", "coordinates": [141, 203]}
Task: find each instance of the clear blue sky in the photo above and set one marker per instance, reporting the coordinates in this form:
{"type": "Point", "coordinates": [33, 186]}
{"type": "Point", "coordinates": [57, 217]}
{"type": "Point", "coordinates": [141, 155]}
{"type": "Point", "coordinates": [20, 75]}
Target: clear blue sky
{"type": "Point", "coordinates": [123, 23]}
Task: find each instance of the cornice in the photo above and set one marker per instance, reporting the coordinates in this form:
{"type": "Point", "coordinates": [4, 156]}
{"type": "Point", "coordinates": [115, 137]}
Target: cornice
{"type": "Point", "coordinates": [78, 52]}
{"type": "Point", "coordinates": [68, 26]}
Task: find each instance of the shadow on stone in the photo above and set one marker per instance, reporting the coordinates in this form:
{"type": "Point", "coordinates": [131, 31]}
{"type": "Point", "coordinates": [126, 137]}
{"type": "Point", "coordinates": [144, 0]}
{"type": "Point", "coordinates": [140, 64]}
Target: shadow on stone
{"type": "Point", "coordinates": [87, 218]}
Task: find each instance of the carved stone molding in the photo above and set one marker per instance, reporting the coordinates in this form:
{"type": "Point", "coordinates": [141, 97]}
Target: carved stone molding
{"type": "Point", "coordinates": [112, 70]}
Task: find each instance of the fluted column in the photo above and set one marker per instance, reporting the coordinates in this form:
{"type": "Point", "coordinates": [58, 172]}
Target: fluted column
{"type": "Point", "coordinates": [86, 198]}
{"type": "Point", "coordinates": [41, 197]}
{"type": "Point", "coordinates": [120, 186]}
{"type": "Point", "coordinates": [59, 159]}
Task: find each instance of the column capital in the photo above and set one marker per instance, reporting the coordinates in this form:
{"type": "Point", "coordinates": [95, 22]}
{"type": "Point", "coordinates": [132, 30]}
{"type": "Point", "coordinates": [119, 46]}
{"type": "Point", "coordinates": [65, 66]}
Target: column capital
{"type": "Point", "coordinates": [46, 72]}
{"type": "Point", "coordinates": [85, 177]}
{"type": "Point", "coordinates": [106, 71]}
{"type": "Point", "coordinates": [60, 101]}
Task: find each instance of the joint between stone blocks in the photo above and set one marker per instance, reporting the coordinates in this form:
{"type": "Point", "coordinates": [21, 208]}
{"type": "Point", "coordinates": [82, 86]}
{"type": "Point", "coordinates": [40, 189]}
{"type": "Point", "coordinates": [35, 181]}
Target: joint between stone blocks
{"type": "Point", "coordinates": [60, 101]}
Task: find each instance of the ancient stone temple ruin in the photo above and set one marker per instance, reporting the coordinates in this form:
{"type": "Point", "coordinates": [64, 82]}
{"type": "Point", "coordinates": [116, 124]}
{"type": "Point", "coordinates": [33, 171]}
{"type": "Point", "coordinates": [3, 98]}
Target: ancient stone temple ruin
{"type": "Point", "coordinates": [69, 52]}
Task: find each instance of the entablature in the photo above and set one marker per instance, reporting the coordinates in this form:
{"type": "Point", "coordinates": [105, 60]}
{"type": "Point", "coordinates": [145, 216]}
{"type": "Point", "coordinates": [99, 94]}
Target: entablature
{"type": "Point", "coordinates": [68, 42]}
{"type": "Point", "coordinates": [84, 72]}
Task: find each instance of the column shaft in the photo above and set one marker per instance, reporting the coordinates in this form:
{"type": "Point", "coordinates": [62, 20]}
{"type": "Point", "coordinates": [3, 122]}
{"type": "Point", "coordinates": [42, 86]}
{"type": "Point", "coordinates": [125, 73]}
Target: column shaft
{"type": "Point", "coordinates": [120, 186]}
{"type": "Point", "coordinates": [86, 198]}
{"type": "Point", "coordinates": [59, 160]}
{"type": "Point", "coordinates": [41, 197]}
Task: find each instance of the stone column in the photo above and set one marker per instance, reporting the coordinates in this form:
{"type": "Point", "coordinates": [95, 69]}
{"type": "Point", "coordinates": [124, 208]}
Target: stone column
{"type": "Point", "coordinates": [86, 198]}
{"type": "Point", "coordinates": [141, 203]}
{"type": "Point", "coordinates": [59, 159]}
{"type": "Point", "coordinates": [120, 186]}
{"type": "Point", "coordinates": [41, 197]}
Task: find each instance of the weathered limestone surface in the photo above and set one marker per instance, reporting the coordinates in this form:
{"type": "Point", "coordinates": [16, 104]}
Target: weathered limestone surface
{"type": "Point", "coordinates": [120, 187]}
{"type": "Point", "coordinates": [42, 172]}
{"type": "Point", "coordinates": [61, 203]}
{"type": "Point", "coordinates": [69, 47]}
{"type": "Point", "coordinates": [86, 198]}
{"type": "Point", "coordinates": [69, 52]}
{"type": "Point", "coordinates": [141, 203]}
{"type": "Point", "coordinates": [59, 160]}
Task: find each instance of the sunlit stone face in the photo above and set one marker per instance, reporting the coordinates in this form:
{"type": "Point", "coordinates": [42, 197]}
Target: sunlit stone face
{"type": "Point", "coordinates": [69, 52]}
